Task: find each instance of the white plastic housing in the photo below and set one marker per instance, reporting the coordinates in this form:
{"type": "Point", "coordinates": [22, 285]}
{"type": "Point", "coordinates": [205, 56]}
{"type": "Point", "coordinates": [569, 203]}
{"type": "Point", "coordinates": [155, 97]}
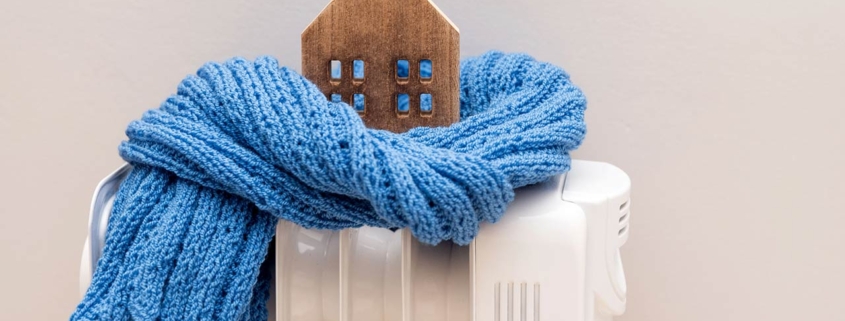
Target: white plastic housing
{"type": "Point", "coordinates": [553, 256]}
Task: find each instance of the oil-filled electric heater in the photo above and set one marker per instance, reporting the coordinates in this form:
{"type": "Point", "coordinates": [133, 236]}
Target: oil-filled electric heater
{"type": "Point", "coordinates": [554, 256]}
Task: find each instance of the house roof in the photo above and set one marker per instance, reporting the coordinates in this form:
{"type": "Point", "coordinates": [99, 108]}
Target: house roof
{"type": "Point", "coordinates": [431, 3]}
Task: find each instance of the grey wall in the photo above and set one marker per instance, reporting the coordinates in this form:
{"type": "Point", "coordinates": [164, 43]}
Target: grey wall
{"type": "Point", "coordinates": [727, 114]}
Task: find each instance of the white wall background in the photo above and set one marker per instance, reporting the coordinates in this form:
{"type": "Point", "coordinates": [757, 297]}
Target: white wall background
{"type": "Point", "coordinates": [729, 115]}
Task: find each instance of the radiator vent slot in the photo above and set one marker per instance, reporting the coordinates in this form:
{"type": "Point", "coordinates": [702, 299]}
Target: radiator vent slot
{"type": "Point", "coordinates": [515, 304]}
{"type": "Point", "coordinates": [624, 216]}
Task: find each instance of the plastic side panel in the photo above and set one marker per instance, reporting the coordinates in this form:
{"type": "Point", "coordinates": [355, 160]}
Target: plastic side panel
{"type": "Point", "coordinates": [603, 192]}
{"type": "Point", "coordinates": [531, 265]}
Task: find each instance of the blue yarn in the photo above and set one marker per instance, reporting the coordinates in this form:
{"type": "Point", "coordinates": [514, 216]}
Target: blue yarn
{"type": "Point", "coordinates": [243, 144]}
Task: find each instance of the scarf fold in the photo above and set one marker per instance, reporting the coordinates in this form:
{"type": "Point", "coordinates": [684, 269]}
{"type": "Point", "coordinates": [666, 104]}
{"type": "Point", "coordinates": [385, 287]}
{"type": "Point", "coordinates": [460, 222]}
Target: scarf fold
{"type": "Point", "coordinates": [243, 144]}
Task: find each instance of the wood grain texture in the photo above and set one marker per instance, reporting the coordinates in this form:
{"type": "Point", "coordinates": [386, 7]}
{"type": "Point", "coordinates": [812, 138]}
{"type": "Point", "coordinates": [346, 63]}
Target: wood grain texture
{"type": "Point", "coordinates": [381, 32]}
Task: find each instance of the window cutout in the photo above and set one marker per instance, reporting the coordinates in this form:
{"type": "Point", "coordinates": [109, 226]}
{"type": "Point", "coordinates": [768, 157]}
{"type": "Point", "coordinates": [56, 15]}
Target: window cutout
{"type": "Point", "coordinates": [425, 69]}
{"type": "Point", "coordinates": [402, 103]}
{"type": "Point", "coordinates": [402, 69]}
{"type": "Point", "coordinates": [336, 71]}
{"type": "Point", "coordinates": [337, 98]}
{"type": "Point", "coordinates": [358, 69]}
{"type": "Point", "coordinates": [425, 103]}
{"type": "Point", "coordinates": [358, 101]}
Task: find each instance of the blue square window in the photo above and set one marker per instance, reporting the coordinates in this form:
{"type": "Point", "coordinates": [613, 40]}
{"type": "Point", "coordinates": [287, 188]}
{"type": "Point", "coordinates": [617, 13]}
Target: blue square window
{"type": "Point", "coordinates": [425, 103]}
{"type": "Point", "coordinates": [425, 69]}
{"type": "Point", "coordinates": [336, 69]}
{"type": "Point", "coordinates": [402, 69]}
{"type": "Point", "coordinates": [402, 103]}
{"type": "Point", "coordinates": [358, 69]}
{"type": "Point", "coordinates": [358, 101]}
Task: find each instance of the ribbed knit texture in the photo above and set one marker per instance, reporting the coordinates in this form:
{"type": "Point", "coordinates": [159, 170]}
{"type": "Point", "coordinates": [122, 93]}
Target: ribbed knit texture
{"type": "Point", "coordinates": [243, 144]}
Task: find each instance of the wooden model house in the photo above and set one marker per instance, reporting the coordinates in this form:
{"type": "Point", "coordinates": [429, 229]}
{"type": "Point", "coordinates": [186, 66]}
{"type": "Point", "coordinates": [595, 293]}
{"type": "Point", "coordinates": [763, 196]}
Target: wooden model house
{"type": "Point", "coordinates": [395, 61]}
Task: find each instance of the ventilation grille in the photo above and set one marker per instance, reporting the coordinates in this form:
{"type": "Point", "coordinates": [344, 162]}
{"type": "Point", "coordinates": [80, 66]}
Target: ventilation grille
{"type": "Point", "coordinates": [516, 303]}
{"type": "Point", "coordinates": [624, 216]}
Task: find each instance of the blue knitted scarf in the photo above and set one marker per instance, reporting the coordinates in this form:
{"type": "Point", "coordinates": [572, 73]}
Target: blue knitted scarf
{"type": "Point", "coordinates": [243, 144]}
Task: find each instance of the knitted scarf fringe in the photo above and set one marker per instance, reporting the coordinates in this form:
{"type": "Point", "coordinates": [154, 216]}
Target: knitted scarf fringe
{"type": "Point", "coordinates": [243, 144]}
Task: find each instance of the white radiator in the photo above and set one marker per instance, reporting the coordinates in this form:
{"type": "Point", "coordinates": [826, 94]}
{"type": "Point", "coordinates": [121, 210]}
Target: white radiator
{"type": "Point", "coordinates": [554, 256]}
